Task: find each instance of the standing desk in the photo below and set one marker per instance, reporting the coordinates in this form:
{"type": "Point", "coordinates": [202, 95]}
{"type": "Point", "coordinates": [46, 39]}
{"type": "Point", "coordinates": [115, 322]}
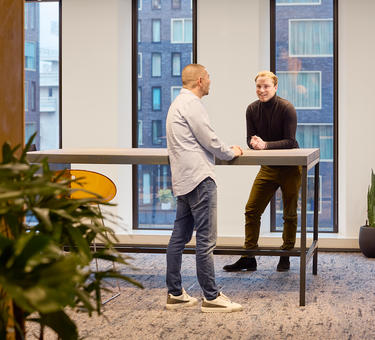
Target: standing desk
{"type": "Point", "coordinates": [306, 158]}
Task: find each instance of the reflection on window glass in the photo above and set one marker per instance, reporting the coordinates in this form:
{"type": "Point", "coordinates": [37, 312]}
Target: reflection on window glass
{"type": "Point", "coordinates": [304, 66]}
{"type": "Point", "coordinates": [164, 49]}
{"type": "Point", "coordinates": [42, 73]}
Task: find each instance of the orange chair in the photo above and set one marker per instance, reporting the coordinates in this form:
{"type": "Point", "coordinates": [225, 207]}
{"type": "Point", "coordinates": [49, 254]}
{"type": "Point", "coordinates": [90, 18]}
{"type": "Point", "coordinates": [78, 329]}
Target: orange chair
{"type": "Point", "coordinates": [96, 183]}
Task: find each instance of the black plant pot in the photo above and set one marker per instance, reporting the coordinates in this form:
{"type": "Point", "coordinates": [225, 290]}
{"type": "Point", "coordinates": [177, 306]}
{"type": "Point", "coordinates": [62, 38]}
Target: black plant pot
{"type": "Point", "coordinates": [367, 241]}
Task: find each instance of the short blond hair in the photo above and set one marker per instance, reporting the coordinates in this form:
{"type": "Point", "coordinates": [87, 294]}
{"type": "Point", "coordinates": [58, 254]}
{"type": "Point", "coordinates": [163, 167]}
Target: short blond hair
{"type": "Point", "coordinates": [190, 75]}
{"type": "Point", "coordinates": [267, 74]}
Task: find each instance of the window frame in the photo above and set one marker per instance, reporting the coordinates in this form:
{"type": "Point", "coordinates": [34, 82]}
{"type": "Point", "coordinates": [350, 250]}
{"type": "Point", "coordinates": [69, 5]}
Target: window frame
{"type": "Point", "coordinates": [335, 110]}
{"type": "Point", "coordinates": [183, 31]}
{"type": "Point", "coordinates": [135, 193]}
{"type": "Point", "coordinates": [154, 54]}
{"type": "Point", "coordinates": [172, 69]}
{"type": "Point", "coordinates": [152, 31]}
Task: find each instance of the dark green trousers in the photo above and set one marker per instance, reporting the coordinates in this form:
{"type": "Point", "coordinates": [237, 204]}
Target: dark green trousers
{"type": "Point", "coordinates": [268, 180]}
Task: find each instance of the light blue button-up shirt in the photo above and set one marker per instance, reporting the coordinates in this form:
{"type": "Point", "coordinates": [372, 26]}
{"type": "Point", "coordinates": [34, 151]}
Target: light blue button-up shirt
{"type": "Point", "coordinates": [192, 143]}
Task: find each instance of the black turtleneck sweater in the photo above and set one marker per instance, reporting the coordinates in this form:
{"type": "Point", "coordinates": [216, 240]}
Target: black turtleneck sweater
{"type": "Point", "coordinates": [274, 121]}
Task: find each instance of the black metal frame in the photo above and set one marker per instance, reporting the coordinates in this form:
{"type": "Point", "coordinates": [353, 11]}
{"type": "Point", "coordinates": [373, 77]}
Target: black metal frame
{"type": "Point", "coordinates": [335, 111]}
{"type": "Point", "coordinates": [135, 103]}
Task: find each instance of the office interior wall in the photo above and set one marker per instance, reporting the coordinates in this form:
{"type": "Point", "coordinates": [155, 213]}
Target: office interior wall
{"type": "Point", "coordinates": [233, 43]}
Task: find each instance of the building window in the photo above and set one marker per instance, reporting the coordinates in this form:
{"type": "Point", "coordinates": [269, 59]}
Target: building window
{"type": "Point", "coordinates": [311, 38]}
{"type": "Point", "coordinates": [302, 89]}
{"type": "Point", "coordinates": [156, 33]}
{"type": "Point", "coordinates": [33, 96]}
{"type": "Point", "coordinates": [181, 31]}
{"type": "Point", "coordinates": [26, 96]}
{"type": "Point", "coordinates": [139, 98]}
{"type": "Point", "coordinates": [156, 98]}
{"type": "Point", "coordinates": [140, 132]}
{"type": "Point", "coordinates": [30, 129]}
{"type": "Point", "coordinates": [139, 65]}
{"type": "Point", "coordinates": [176, 64]}
{"type": "Point", "coordinates": [30, 55]}
{"type": "Point", "coordinates": [50, 92]}
{"type": "Point", "coordinates": [156, 4]}
{"type": "Point", "coordinates": [139, 5]}
{"type": "Point", "coordinates": [175, 91]}
{"type": "Point", "coordinates": [298, 2]}
{"type": "Point", "coordinates": [156, 132]}
{"type": "Point", "coordinates": [156, 64]}
{"type": "Point", "coordinates": [176, 4]}
{"type": "Point", "coordinates": [139, 31]}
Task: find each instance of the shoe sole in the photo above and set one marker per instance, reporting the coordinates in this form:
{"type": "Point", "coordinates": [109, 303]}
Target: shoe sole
{"type": "Point", "coordinates": [181, 305]}
{"type": "Point", "coordinates": [241, 270]}
{"type": "Point", "coordinates": [282, 270]}
{"type": "Point", "coordinates": [220, 310]}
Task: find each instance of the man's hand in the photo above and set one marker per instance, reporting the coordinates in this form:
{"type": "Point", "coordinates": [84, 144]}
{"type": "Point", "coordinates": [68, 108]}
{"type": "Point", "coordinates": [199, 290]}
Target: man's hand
{"type": "Point", "coordinates": [237, 150]}
{"type": "Point", "coordinates": [257, 143]}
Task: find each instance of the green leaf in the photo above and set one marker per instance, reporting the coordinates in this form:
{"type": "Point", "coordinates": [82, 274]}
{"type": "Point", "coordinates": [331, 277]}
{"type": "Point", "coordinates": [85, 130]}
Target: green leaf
{"type": "Point", "coordinates": [61, 324]}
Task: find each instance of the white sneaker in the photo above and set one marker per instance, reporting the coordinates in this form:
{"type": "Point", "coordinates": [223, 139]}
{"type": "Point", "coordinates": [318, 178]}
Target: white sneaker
{"type": "Point", "coordinates": [221, 304]}
{"type": "Point", "coordinates": [180, 301]}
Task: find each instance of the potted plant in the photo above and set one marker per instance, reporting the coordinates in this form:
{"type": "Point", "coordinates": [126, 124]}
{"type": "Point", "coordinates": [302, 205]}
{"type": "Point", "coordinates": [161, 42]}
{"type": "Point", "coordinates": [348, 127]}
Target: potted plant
{"type": "Point", "coordinates": [166, 198]}
{"type": "Point", "coordinates": [39, 281]}
{"type": "Point", "coordinates": [367, 232]}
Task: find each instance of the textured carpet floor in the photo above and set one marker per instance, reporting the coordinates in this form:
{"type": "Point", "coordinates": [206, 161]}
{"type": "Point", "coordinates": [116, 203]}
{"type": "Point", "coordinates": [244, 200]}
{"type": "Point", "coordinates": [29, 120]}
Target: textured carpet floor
{"type": "Point", "coordinates": [340, 303]}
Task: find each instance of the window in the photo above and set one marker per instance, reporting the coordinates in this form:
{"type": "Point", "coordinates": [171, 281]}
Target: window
{"type": "Point", "coordinates": [156, 64]}
{"type": "Point", "coordinates": [157, 82]}
{"type": "Point", "coordinates": [175, 91]}
{"type": "Point", "coordinates": [139, 5]}
{"type": "Point", "coordinates": [156, 132]}
{"type": "Point", "coordinates": [156, 98]}
{"type": "Point", "coordinates": [156, 23]}
{"type": "Point", "coordinates": [140, 132]}
{"type": "Point", "coordinates": [181, 31]}
{"type": "Point", "coordinates": [304, 62]}
{"type": "Point", "coordinates": [317, 136]}
{"type": "Point", "coordinates": [313, 37]}
{"type": "Point", "coordinates": [139, 98]}
{"type": "Point", "coordinates": [302, 89]}
{"type": "Point", "coordinates": [176, 64]}
{"type": "Point", "coordinates": [139, 31]}
{"type": "Point", "coordinates": [42, 59]}
{"type": "Point", "coordinates": [139, 65]}
{"type": "Point", "coordinates": [298, 2]}
{"type": "Point", "coordinates": [176, 4]}
{"type": "Point", "coordinates": [26, 97]}
{"type": "Point", "coordinates": [30, 55]}
{"type": "Point", "coordinates": [33, 96]}
{"type": "Point", "coordinates": [156, 4]}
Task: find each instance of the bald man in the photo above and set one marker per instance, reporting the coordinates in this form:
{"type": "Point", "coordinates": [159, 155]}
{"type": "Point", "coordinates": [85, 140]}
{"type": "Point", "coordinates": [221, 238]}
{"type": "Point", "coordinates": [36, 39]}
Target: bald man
{"type": "Point", "coordinates": [192, 148]}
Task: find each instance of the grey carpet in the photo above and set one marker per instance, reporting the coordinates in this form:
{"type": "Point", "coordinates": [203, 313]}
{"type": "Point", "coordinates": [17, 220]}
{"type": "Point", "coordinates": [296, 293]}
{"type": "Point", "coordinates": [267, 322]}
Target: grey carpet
{"type": "Point", "coordinates": [340, 303]}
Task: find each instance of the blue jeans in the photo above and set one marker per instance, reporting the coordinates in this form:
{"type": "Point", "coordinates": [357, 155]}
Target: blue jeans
{"type": "Point", "coordinates": [197, 209]}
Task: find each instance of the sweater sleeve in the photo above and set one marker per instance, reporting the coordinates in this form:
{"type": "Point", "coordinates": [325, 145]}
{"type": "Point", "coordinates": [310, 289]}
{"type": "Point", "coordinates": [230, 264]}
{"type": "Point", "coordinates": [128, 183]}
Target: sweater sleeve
{"type": "Point", "coordinates": [250, 126]}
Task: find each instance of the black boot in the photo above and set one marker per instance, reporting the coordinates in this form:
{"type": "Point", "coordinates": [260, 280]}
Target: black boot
{"type": "Point", "coordinates": [244, 263]}
{"type": "Point", "coordinates": [284, 264]}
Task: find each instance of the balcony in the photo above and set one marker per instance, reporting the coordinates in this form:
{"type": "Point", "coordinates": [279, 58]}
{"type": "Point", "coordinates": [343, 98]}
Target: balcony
{"type": "Point", "coordinates": [49, 79]}
{"type": "Point", "coordinates": [48, 104]}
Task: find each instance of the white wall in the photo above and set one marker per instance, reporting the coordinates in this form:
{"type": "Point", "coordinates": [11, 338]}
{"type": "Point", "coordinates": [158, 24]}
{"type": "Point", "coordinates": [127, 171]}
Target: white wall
{"type": "Point", "coordinates": [233, 43]}
{"type": "Point", "coordinates": [96, 85]}
{"type": "Point", "coordinates": [356, 111]}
